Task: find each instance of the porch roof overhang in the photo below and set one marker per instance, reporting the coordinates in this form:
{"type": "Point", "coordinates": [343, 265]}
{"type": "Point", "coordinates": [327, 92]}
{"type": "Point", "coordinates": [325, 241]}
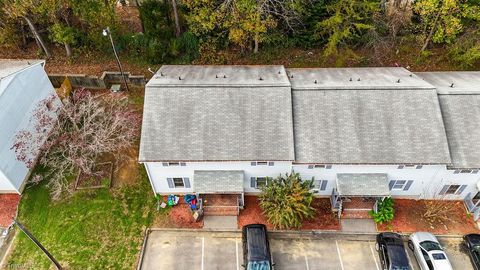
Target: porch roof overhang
{"type": "Point", "coordinates": [362, 184]}
{"type": "Point", "coordinates": [218, 181]}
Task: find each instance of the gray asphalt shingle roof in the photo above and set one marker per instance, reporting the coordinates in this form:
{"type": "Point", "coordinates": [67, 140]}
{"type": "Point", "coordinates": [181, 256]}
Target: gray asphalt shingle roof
{"type": "Point", "coordinates": [218, 181]}
{"type": "Point", "coordinates": [362, 184]}
{"type": "Point", "coordinates": [377, 125]}
{"type": "Point", "coordinates": [10, 66]}
{"type": "Point", "coordinates": [247, 120]}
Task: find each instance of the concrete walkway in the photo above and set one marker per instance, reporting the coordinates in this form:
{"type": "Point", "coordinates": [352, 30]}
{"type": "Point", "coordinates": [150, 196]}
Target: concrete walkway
{"type": "Point", "coordinates": [220, 222]}
{"type": "Point", "coordinates": [358, 225]}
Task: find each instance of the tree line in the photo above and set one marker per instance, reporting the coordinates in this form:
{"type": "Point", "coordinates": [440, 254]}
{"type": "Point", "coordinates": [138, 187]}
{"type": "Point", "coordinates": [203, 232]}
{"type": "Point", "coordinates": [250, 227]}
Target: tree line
{"type": "Point", "coordinates": [187, 29]}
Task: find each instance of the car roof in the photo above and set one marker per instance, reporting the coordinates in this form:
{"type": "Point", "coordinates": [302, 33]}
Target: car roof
{"type": "Point", "coordinates": [392, 238]}
{"type": "Point", "coordinates": [398, 256]}
{"type": "Point", "coordinates": [257, 243]}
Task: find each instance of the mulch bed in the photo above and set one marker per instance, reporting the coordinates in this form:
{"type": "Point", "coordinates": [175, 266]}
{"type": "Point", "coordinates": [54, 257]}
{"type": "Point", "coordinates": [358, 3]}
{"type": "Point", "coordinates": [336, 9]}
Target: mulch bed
{"type": "Point", "coordinates": [8, 208]}
{"type": "Point", "coordinates": [324, 219]}
{"type": "Point", "coordinates": [409, 218]}
{"type": "Point", "coordinates": [182, 217]}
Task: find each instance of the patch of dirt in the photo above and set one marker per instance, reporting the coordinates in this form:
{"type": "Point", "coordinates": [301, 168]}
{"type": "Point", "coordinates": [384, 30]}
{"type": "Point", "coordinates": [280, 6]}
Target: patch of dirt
{"type": "Point", "coordinates": [101, 176]}
{"type": "Point", "coordinates": [127, 172]}
{"type": "Point", "coordinates": [323, 220]}
{"type": "Point", "coordinates": [409, 218]}
{"type": "Point", "coordinates": [129, 17]}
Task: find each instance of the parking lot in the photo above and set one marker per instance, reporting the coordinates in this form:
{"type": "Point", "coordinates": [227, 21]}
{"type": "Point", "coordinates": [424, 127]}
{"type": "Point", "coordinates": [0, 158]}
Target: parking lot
{"type": "Point", "coordinates": [290, 251]}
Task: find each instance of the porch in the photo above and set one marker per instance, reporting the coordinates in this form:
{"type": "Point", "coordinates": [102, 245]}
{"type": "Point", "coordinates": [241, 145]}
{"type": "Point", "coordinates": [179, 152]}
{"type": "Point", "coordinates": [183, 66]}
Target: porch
{"type": "Point", "coordinates": [357, 194]}
{"type": "Point", "coordinates": [472, 203]}
{"type": "Point", "coordinates": [220, 193]}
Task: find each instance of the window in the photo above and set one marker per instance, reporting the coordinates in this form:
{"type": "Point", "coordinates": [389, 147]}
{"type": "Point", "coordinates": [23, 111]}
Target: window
{"type": "Point", "coordinates": [262, 163]}
{"type": "Point", "coordinates": [320, 184]}
{"type": "Point", "coordinates": [178, 182]}
{"type": "Point", "coordinates": [258, 182]}
{"type": "Point", "coordinates": [319, 166]}
{"type": "Point", "coordinates": [452, 189]}
{"type": "Point", "coordinates": [409, 166]}
{"type": "Point", "coordinates": [400, 184]}
{"type": "Point", "coordinates": [173, 164]}
{"type": "Point", "coordinates": [465, 171]}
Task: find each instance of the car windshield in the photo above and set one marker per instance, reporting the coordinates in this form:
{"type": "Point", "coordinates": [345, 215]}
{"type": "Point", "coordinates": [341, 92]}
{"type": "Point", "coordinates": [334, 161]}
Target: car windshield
{"type": "Point", "coordinates": [430, 245]}
{"type": "Point", "coordinates": [400, 268]}
{"type": "Point", "coordinates": [258, 265]}
{"type": "Point", "coordinates": [439, 256]}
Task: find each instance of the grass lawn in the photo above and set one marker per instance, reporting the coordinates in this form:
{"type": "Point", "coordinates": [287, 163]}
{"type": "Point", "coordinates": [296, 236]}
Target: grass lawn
{"type": "Point", "coordinates": [99, 229]}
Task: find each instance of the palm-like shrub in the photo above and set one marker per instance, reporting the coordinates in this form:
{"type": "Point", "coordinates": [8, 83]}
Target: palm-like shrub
{"type": "Point", "coordinates": [286, 201]}
{"type": "Point", "coordinates": [385, 212]}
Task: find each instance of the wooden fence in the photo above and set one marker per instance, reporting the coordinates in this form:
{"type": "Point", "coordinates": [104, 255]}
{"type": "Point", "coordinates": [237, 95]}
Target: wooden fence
{"type": "Point", "coordinates": [93, 82]}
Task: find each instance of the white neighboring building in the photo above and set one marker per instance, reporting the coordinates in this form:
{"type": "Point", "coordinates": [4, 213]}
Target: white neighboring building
{"type": "Point", "coordinates": [23, 84]}
{"type": "Point", "coordinates": [363, 133]}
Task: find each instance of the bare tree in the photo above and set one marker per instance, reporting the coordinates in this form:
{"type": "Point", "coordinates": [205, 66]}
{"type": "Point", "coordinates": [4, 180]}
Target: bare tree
{"type": "Point", "coordinates": [87, 127]}
{"type": "Point", "coordinates": [437, 208]}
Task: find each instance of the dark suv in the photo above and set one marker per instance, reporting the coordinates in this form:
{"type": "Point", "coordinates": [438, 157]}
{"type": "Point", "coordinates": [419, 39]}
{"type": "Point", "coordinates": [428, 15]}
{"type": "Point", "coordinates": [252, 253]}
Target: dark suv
{"type": "Point", "coordinates": [391, 251]}
{"type": "Point", "coordinates": [256, 249]}
{"type": "Point", "coordinates": [472, 243]}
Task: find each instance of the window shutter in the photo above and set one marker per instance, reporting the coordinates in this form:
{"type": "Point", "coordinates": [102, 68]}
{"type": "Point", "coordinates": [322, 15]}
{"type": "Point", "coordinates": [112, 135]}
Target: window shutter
{"type": "Point", "coordinates": [400, 166]}
{"type": "Point", "coordinates": [183, 164]}
{"type": "Point", "coordinates": [328, 166]}
{"type": "Point", "coordinates": [456, 171]}
{"type": "Point", "coordinates": [165, 164]}
{"type": "Point", "coordinates": [253, 163]}
{"type": "Point", "coordinates": [419, 167]}
{"type": "Point", "coordinates": [444, 190]}
{"type": "Point", "coordinates": [390, 184]}
{"type": "Point", "coordinates": [170, 183]}
{"type": "Point", "coordinates": [324, 185]}
{"type": "Point", "coordinates": [407, 186]}
{"type": "Point", "coordinates": [253, 182]}
{"type": "Point", "coordinates": [271, 163]}
{"type": "Point", "coordinates": [186, 181]}
{"type": "Point", "coordinates": [474, 171]}
{"type": "Point", "coordinates": [461, 189]}
{"type": "Point", "coordinates": [310, 166]}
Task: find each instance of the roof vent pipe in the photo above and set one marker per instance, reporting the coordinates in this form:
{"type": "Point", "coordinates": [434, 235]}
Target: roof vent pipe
{"type": "Point", "coordinates": [179, 78]}
{"type": "Point", "coordinates": [315, 82]}
{"type": "Point", "coordinates": [452, 85]}
{"type": "Point", "coordinates": [398, 81]}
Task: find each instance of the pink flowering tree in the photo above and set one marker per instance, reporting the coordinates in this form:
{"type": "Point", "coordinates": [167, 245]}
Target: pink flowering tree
{"type": "Point", "coordinates": [86, 127]}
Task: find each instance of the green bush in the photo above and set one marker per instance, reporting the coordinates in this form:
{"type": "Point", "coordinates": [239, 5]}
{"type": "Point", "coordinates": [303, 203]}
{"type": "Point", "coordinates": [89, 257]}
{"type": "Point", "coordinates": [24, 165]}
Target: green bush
{"type": "Point", "coordinates": [466, 51]}
{"type": "Point", "coordinates": [385, 211]}
{"type": "Point", "coordinates": [286, 201]}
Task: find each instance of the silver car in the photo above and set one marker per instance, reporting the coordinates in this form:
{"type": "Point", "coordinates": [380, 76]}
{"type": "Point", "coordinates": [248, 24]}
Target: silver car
{"type": "Point", "coordinates": [428, 252]}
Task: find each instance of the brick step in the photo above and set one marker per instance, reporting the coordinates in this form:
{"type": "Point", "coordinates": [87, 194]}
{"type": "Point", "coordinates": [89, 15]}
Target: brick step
{"type": "Point", "coordinates": [349, 213]}
{"type": "Point", "coordinates": [220, 211]}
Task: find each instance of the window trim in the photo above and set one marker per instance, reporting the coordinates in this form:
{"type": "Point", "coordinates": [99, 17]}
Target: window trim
{"type": "Point", "coordinates": [445, 191]}
{"type": "Point", "coordinates": [175, 184]}
{"type": "Point", "coordinates": [320, 166]}
{"type": "Point", "coordinates": [397, 185]}
{"type": "Point", "coordinates": [185, 182]}
{"type": "Point", "coordinates": [262, 163]}
{"type": "Point", "coordinates": [174, 164]}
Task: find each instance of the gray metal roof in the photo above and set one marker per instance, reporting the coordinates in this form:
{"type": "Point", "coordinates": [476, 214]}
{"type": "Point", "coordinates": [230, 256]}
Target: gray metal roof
{"type": "Point", "coordinates": [355, 78]}
{"type": "Point", "coordinates": [205, 123]}
{"type": "Point", "coordinates": [10, 66]}
{"type": "Point", "coordinates": [453, 82]}
{"type": "Point", "coordinates": [363, 184]}
{"type": "Point", "coordinates": [218, 182]}
{"type": "Point", "coordinates": [219, 76]}
{"type": "Point", "coordinates": [461, 115]}
{"type": "Point", "coordinates": [369, 126]}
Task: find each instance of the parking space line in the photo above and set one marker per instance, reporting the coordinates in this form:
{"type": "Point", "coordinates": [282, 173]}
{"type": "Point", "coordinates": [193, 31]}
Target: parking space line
{"type": "Point", "coordinates": [236, 251]}
{"type": "Point", "coordinates": [339, 255]}
{"type": "Point", "coordinates": [203, 250]}
{"type": "Point", "coordinates": [374, 257]}
{"type": "Point", "coordinates": [306, 262]}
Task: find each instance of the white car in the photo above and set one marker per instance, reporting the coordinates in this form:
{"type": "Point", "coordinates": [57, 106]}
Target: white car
{"type": "Point", "coordinates": [428, 252]}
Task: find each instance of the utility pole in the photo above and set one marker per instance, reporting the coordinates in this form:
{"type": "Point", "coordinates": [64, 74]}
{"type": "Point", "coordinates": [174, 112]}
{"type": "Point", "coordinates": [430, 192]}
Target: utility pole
{"type": "Point", "coordinates": [106, 32]}
{"type": "Point", "coordinates": [29, 235]}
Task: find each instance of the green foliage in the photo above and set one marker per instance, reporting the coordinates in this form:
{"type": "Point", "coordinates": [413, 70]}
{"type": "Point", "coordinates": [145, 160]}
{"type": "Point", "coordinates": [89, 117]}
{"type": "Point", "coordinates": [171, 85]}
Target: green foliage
{"type": "Point", "coordinates": [155, 19]}
{"type": "Point", "coordinates": [385, 211]}
{"type": "Point", "coordinates": [346, 22]}
{"type": "Point", "coordinates": [446, 18]}
{"type": "Point", "coordinates": [286, 201]}
{"type": "Point", "coordinates": [466, 51]}
{"type": "Point", "coordinates": [95, 229]}
{"type": "Point", "coordinates": [62, 34]}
